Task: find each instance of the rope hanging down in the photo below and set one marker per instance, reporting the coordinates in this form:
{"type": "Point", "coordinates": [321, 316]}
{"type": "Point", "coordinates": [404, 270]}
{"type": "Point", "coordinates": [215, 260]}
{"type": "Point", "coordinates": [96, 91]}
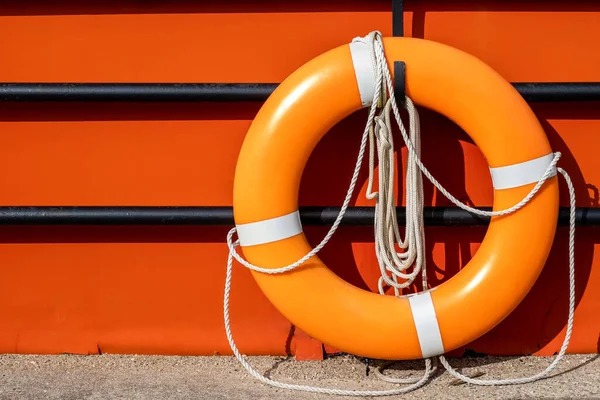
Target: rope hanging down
{"type": "Point", "coordinates": [378, 134]}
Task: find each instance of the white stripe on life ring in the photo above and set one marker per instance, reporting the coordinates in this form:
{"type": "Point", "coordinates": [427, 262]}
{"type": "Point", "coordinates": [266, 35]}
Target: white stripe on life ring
{"type": "Point", "coordinates": [428, 329]}
{"type": "Point", "coordinates": [512, 176]}
{"type": "Point", "coordinates": [270, 230]}
{"type": "Point", "coordinates": [365, 73]}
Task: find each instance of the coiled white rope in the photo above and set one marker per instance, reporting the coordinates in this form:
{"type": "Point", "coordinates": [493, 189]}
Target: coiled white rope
{"type": "Point", "coordinates": [379, 130]}
{"type": "Point", "coordinates": [387, 234]}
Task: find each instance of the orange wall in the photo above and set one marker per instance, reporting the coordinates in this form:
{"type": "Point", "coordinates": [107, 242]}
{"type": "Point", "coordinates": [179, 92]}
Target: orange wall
{"type": "Point", "coordinates": [159, 290]}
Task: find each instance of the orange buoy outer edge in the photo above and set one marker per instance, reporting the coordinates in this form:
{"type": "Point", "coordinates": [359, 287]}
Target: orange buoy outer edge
{"type": "Point", "coordinates": [289, 126]}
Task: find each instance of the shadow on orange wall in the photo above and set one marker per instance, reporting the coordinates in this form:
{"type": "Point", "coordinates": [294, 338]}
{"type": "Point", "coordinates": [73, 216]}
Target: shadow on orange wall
{"type": "Point", "coordinates": [542, 315]}
{"type": "Point", "coordinates": [74, 7]}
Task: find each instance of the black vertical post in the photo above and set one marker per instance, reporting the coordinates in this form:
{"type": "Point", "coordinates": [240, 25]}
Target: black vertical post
{"type": "Point", "coordinates": [397, 18]}
{"type": "Point", "coordinates": [399, 66]}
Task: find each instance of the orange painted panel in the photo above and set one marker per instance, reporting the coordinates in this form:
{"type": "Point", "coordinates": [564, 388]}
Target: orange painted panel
{"type": "Point", "coordinates": [159, 290]}
{"type": "Point", "coordinates": [115, 154]}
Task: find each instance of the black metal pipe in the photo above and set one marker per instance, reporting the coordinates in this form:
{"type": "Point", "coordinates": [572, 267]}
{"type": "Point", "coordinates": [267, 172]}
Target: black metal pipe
{"type": "Point", "coordinates": [557, 92]}
{"type": "Point", "coordinates": [136, 92]}
{"type": "Point", "coordinates": [215, 216]}
{"type": "Point", "coordinates": [234, 92]}
{"type": "Point", "coordinates": [397, 18]}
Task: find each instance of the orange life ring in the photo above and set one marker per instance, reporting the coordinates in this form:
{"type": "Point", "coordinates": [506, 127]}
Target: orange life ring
{"type": "Point", "coordinates": [291, 123]}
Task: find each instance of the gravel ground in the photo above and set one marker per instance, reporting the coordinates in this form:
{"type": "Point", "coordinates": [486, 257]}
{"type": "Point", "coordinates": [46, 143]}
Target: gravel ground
{"type": "Point", "coordinates": [156, 377]}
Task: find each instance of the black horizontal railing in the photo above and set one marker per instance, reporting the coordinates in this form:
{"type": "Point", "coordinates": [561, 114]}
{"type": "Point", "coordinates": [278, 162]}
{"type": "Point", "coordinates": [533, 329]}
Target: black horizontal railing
{"type": "Point", "coordinates": [235, 92]}
{"type": "Point", "coordinates": [136, 92]}
{"type": "Point", "coordinates": [215, 216]}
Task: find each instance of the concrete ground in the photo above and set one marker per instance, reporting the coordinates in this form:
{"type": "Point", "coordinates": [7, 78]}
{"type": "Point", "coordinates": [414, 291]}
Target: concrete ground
{"type": "Point", "coordinates": [153, 377]}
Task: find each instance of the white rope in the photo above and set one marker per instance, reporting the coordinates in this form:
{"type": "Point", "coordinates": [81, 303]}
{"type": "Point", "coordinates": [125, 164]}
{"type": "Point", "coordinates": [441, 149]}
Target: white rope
{"type": "Point", "coordinates": [571, 313]}
{"type": "Point", "coordinates": [394, 264]}
{"type": "Point", "coordinates": [387, 234]}
{"type": "Point", "coordinates": [306, 388]}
